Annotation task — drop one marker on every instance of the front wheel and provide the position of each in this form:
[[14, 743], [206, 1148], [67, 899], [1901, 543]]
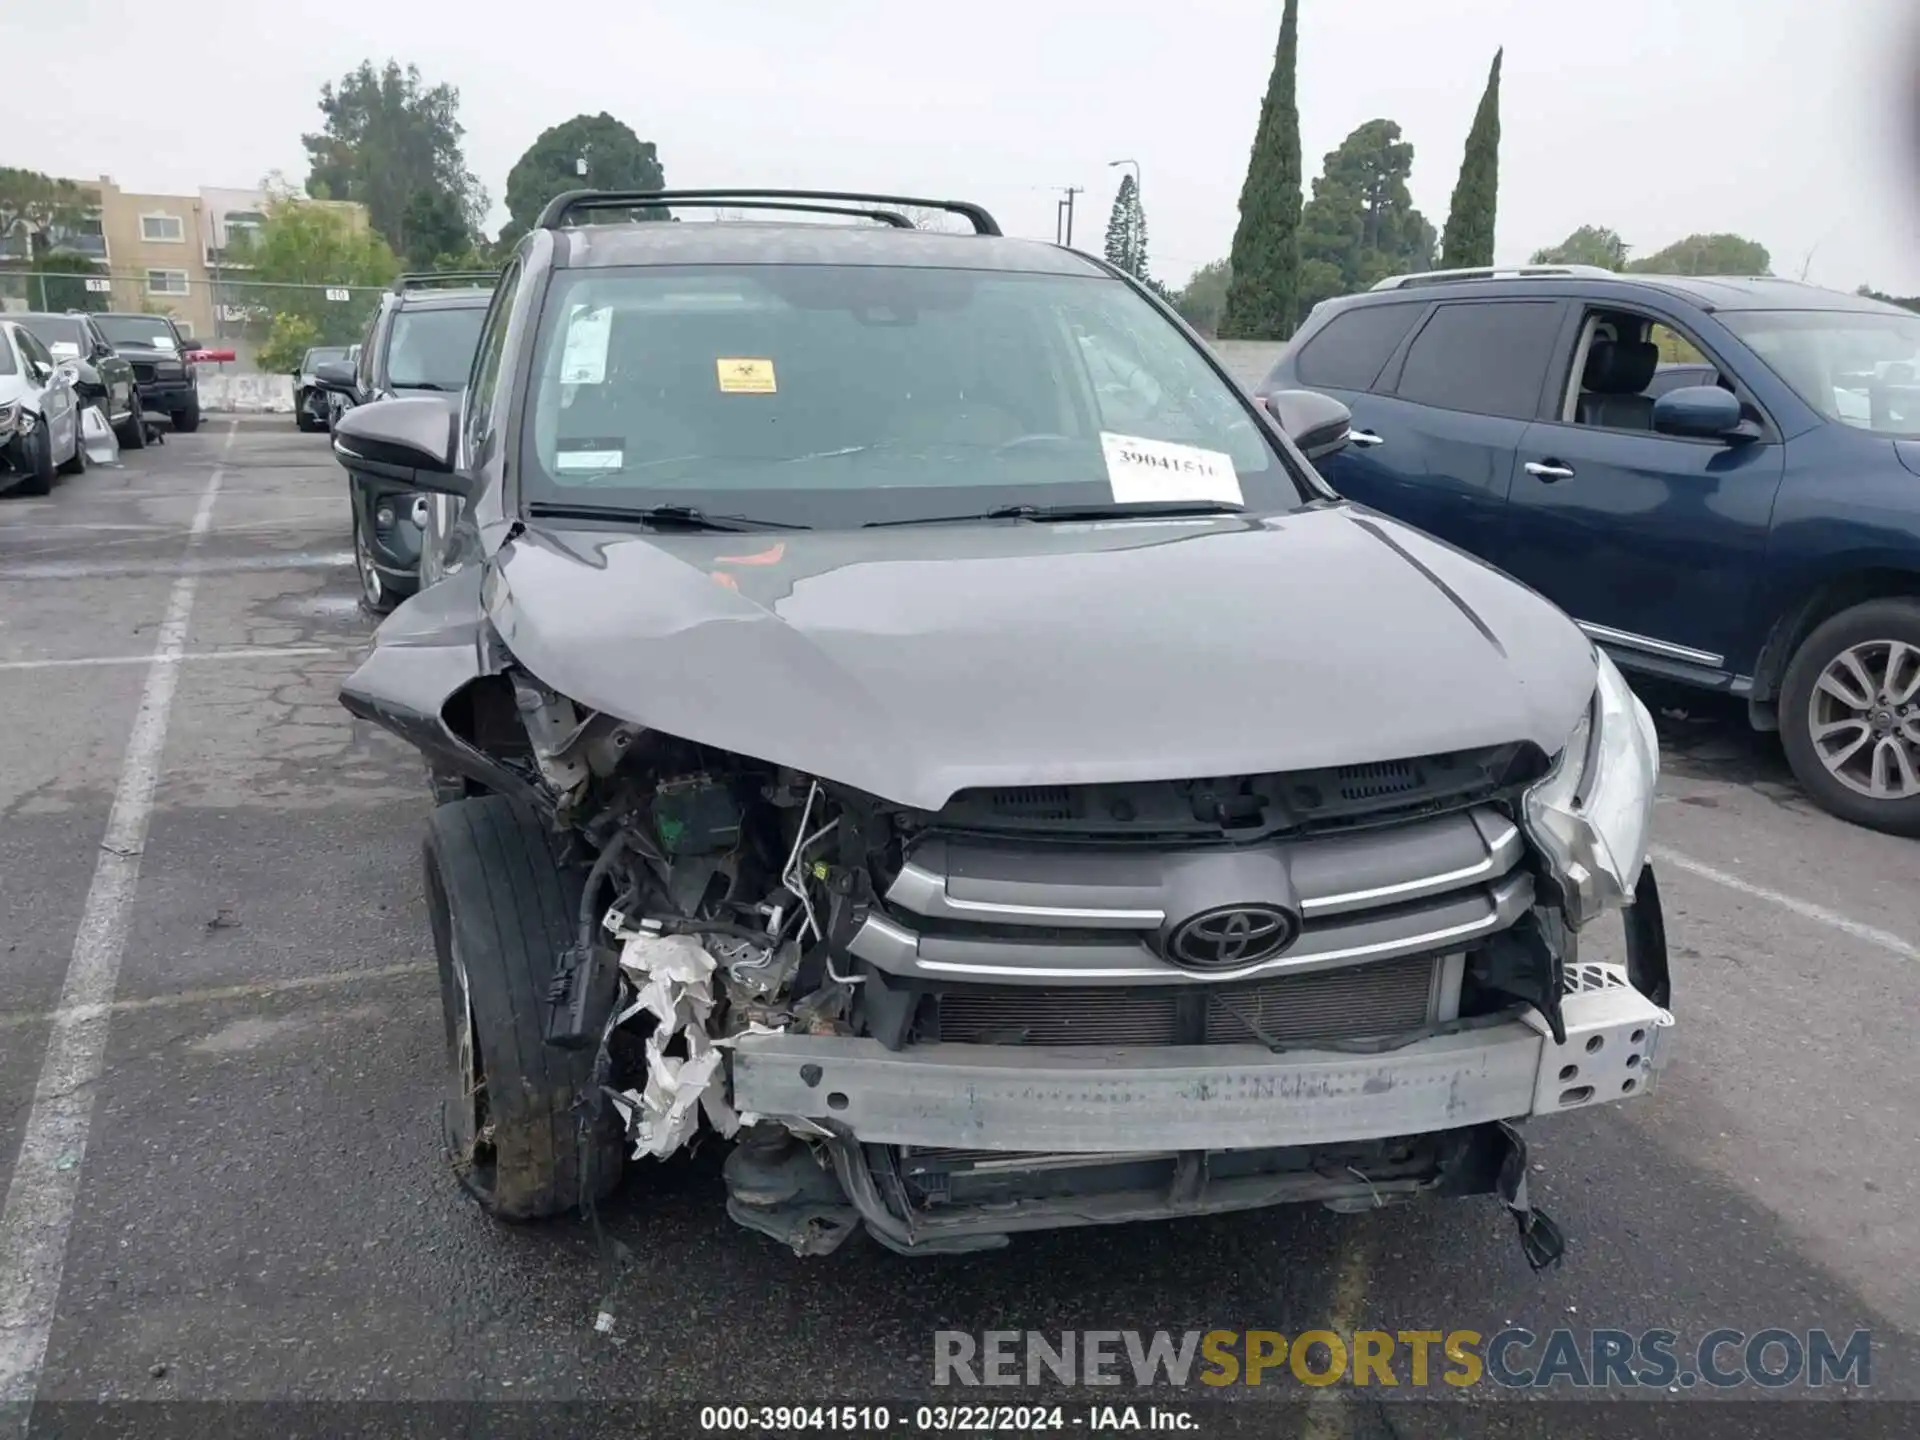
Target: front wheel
[[502, 908], [302, 418], [1850, 715], [41, 471], [76, 463], [375, 598], [132, 433], [188, 420]]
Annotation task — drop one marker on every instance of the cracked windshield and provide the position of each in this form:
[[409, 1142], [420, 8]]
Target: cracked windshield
[[775, 719]]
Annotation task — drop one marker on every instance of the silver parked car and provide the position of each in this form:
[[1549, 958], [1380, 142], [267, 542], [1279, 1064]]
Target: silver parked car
[[39, 413]]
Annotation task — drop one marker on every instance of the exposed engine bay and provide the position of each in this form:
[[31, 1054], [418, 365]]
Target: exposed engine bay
[[728, 907]]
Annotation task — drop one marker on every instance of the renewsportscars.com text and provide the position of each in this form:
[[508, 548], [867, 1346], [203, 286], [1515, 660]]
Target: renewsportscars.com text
[[1513, 1358]]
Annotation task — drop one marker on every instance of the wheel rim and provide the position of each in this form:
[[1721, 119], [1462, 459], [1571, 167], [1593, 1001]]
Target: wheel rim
[[1864, 719], [370, 583]]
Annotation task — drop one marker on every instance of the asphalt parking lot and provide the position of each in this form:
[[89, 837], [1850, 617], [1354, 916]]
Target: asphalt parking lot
[[220, 1056]]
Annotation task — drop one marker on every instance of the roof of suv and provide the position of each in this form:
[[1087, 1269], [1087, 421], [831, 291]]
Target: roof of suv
[[748, 242], [1709, 292]]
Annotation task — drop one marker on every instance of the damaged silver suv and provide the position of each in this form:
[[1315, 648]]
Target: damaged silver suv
[[898, 707]]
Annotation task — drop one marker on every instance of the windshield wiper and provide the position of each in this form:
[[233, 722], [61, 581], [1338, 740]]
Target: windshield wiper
[[418, 385], [1110, 510], [682, 515]]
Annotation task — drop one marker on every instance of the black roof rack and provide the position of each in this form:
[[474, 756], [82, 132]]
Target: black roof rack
[[829, 202], [427, 279]]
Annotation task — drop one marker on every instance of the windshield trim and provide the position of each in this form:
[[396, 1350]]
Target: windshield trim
[[537, 310]]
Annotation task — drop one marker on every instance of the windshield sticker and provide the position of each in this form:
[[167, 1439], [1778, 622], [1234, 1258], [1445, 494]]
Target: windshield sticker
[[585, 359], [574, 456], [1141, 469], [162, 342], [63, 349], [746, 377]]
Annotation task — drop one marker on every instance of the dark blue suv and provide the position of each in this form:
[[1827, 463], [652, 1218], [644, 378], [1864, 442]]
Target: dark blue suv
[[1719, 479]]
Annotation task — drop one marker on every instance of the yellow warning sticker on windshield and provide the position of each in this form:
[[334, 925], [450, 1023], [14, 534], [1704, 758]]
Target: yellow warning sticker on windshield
[[746, 377]]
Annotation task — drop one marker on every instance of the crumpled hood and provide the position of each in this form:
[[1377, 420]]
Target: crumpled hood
[[915, 662]]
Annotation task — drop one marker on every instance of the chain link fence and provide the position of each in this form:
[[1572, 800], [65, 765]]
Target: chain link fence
[[225, 307]]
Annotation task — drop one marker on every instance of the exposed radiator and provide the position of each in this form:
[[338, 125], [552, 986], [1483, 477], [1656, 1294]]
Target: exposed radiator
[[1347, 1003]]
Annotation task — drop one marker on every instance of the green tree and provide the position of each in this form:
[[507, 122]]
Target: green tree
[[36, 206], [289, 337], [62, 279], [388, 141], [1127, 230], [1707, 255], [302, 252], [1909, 302], [1470, 218], [614, 158], [1589, 245], [1361, 225], [436, 231], [1203, 299], [1266, 243]]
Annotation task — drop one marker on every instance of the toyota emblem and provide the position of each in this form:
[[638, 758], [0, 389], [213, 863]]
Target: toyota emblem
[[1231, 936]]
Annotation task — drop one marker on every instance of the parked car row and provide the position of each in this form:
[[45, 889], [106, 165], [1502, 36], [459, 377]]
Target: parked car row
[[1747, 521], [420, 340], [136, 371]]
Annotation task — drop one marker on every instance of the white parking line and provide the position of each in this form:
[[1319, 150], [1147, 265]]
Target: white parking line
[[46, 1177], [260, 652], [1885, 939]]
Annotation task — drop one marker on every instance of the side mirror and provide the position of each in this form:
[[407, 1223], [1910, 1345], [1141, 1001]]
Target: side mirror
[[409, 440], [1698, 412], [1317, 423], [335, 377]]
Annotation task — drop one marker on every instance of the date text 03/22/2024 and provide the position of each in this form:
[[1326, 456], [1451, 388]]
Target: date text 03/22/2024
[[938, 1419]]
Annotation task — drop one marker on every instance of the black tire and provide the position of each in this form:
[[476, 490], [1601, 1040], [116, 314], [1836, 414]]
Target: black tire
[[132, 433], [501, 902], [1870, 624], [301, 419], [77, 463], [40, 470], [375, 597], [188, 420]]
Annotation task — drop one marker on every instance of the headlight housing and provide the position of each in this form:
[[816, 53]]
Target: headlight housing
[[9, 418], [1590, 816]]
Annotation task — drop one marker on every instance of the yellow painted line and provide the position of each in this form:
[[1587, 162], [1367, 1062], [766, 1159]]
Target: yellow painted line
[[1329, 1410]]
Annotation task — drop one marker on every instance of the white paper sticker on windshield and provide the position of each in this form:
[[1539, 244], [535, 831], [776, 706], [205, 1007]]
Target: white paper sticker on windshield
[[1141, 469], [575, 456], [585, 359], [163, 342], [63, 349]]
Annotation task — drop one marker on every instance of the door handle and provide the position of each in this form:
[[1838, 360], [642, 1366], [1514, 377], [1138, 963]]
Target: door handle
[[1548, 471], [1365, 438]]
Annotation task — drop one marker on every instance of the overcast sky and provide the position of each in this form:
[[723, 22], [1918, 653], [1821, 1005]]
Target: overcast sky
[[1782, 120]]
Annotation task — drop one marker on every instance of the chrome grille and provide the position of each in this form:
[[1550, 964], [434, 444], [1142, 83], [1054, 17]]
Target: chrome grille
[[1005, 911], [1361, 1000]]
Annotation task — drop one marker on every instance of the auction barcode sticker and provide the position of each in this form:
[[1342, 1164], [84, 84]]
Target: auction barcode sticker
[[1142, 469]]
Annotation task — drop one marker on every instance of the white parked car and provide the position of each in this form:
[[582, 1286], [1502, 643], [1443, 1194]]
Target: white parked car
[[39, 414]]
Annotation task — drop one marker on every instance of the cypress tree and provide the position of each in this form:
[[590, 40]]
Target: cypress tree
[[1469, 235], [1265, 261]]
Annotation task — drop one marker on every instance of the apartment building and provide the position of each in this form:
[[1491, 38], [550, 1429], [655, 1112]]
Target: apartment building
[[170, 253]]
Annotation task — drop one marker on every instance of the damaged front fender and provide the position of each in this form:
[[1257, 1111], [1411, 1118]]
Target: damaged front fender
[[424, 655]]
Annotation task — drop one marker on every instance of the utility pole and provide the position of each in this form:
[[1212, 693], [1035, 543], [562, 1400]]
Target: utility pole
[[1067, 205]]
